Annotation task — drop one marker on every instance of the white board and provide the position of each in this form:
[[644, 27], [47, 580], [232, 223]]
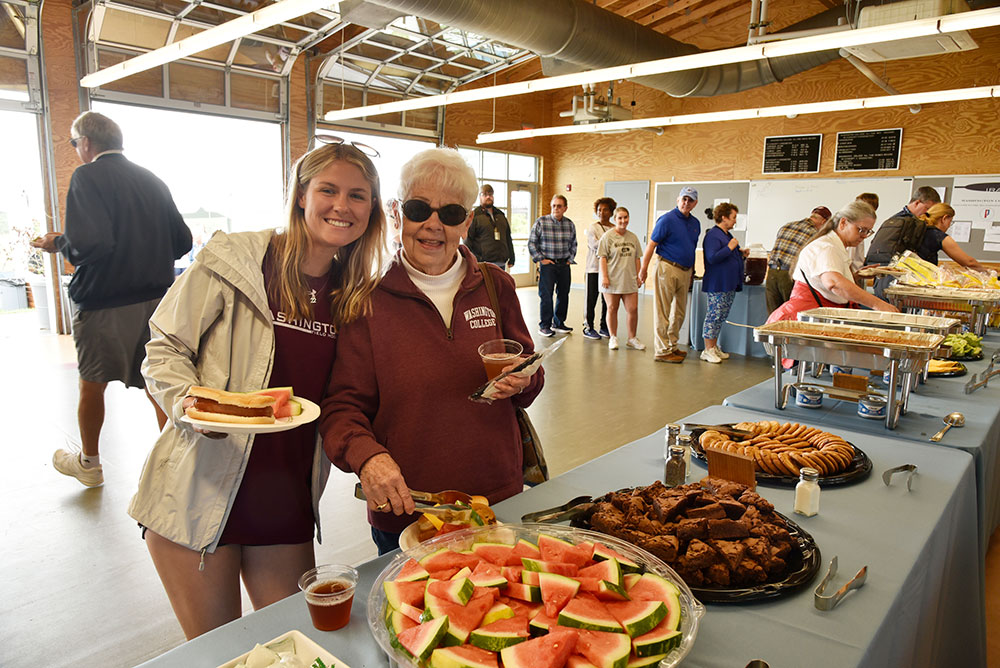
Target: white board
[[776, 202]]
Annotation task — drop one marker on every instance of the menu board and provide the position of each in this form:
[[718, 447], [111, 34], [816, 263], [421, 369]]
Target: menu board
[[792, 154], [868, 150]]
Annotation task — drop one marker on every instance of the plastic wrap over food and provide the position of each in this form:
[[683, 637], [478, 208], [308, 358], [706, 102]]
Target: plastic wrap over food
[[527, 367], [917, 271]]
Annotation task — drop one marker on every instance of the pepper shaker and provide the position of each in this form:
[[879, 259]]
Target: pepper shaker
[[684, 441], [674, 471]]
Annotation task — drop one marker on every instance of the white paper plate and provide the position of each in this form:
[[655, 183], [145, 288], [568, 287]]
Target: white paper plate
[[310, 412], [305, 649]]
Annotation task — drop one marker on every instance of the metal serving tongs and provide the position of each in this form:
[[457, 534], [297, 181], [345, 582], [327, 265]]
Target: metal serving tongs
[[911, 469], [829, 602], [982, 379], [448, 512], [566, 511]]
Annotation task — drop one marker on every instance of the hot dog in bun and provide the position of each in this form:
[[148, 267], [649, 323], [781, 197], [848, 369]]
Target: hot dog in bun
[[221, 406]]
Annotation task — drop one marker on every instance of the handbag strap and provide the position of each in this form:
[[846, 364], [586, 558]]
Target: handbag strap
[[491, 290]]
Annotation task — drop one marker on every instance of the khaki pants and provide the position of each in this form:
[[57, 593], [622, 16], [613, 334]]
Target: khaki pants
[[671, 294], [777, 288]]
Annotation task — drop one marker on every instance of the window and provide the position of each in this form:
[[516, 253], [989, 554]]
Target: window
[[235, 186], [514, 178]]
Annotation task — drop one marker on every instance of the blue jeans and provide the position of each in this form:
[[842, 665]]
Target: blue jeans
[[553, 276], [385, 541]]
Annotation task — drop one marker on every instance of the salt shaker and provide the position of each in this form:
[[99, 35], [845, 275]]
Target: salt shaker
[[685, 442], [672, 432], [807, 492], [674, 470]]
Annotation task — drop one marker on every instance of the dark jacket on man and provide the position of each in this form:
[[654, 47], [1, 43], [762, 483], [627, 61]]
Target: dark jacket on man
[[123, 233], [489, 237]]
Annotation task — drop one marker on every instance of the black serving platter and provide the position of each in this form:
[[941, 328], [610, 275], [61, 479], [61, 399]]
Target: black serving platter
[[859, 468], [961, 371], [803, 565], [964, 358]]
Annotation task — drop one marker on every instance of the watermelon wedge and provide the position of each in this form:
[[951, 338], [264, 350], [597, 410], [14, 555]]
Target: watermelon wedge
[[541, 623], [447, 559], [464, 656], [542, 566], [486, 574], [421, 640], [653, 587], [604, 650], [411, 572], [523, 548], [523, 592], [605, 552], [512, 573], [589, 613], [282, 395], [397, 593], [495, 553], [638, 617], [526, 608], [557, 590], [577, 661], [453, 591], [607, 569], [464, 619], [504, 633], [497, 612], [660, 640], [559, 550], [645, 661], [548, 651]]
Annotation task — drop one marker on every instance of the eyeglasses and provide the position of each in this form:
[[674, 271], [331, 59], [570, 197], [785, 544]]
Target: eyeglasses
[[863, 231], [450, 214], [370, 151], [73, 141]]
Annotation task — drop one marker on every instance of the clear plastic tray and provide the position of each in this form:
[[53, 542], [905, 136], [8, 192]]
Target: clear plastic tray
[[691, 609]]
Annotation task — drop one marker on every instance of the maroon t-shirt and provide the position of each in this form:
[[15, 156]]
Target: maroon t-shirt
[[274, 503]]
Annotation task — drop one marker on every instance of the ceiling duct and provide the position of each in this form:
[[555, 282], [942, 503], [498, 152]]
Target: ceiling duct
[[572, 35]]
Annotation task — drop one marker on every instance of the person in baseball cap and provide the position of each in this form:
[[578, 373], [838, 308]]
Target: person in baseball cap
[[791, 238], [674, 239]]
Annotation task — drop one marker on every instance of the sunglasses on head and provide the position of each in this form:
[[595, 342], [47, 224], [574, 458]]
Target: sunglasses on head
[[370, 151], [450, 214]]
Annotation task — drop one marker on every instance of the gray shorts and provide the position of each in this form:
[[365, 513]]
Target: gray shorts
[[111, 342]]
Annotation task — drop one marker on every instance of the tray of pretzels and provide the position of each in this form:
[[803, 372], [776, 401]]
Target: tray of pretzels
[[781, 450]]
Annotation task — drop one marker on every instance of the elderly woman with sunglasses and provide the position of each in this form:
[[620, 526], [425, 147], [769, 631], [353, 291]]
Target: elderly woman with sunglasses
[[397, 411], [822, 272], [255, 310]]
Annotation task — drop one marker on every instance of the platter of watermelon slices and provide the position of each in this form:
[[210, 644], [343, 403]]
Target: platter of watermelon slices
[[532, 596]]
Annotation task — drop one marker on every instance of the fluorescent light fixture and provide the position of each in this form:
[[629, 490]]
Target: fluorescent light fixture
[[906, 100], [220, 34], [980, 18]]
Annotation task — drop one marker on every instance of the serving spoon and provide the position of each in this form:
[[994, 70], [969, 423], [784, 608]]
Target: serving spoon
[[950, 420]]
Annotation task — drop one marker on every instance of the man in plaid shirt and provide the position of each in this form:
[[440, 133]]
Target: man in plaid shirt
[[791, 238], [552, 245]]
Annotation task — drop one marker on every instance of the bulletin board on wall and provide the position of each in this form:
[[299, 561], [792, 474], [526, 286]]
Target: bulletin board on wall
[[976, 201], [775, 202], [709, 193]]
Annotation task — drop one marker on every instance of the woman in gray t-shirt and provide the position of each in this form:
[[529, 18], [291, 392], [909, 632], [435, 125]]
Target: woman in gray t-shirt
[[618, 253]]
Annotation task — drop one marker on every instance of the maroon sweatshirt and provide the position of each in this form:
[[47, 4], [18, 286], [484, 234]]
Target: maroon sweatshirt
[[401, 382]]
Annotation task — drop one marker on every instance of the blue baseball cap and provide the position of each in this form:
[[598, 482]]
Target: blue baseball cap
[[688, 191]]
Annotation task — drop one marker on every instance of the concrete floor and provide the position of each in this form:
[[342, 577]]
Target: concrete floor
[[78, 587]]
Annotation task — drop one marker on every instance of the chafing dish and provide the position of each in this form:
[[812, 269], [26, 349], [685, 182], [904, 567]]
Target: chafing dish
[[907, 322], [901, 353], [973, 305]]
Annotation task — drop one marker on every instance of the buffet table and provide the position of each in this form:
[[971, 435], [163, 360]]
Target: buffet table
[[749, 308], [922, 605], [980, 436]]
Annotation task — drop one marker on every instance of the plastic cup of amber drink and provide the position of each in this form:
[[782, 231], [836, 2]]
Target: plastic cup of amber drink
[[499, 354], [329, 591]]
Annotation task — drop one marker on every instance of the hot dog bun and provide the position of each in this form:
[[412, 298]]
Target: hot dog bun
[[231, 407]]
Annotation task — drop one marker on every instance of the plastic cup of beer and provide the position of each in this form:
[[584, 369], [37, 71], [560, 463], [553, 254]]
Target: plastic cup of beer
[[499, 354], [329, 591]]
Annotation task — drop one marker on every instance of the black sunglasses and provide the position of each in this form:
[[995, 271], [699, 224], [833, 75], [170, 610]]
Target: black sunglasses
[[370, 151], [450, 214]]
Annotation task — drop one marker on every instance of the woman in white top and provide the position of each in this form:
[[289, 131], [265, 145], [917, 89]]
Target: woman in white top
[[822, 272], [619, 253], [604, 208]]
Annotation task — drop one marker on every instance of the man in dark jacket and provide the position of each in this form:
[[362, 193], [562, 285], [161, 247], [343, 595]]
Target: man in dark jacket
[[489, 234], [123, 233]]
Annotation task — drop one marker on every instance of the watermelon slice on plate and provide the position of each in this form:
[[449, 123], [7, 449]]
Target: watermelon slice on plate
[[585, 612], [557, 549], [463, 656], [557, 590], [522, 549], [421, 640], [604, 650], [548, 651], [498, 635]]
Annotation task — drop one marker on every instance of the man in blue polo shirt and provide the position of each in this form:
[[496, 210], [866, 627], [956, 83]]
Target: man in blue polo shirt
[[674, 239]]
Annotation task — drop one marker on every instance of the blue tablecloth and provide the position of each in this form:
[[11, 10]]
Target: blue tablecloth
[[927, 406], [921, 606], [749, 308]]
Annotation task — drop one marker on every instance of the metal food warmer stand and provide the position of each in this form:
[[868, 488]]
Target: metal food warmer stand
[[903, 354], [906, 322], [975, 304]]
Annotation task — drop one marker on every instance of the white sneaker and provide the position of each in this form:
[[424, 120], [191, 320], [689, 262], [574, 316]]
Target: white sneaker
[[68, 463], [635, 344], [613, 343], [708, 355], [721, 353]]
